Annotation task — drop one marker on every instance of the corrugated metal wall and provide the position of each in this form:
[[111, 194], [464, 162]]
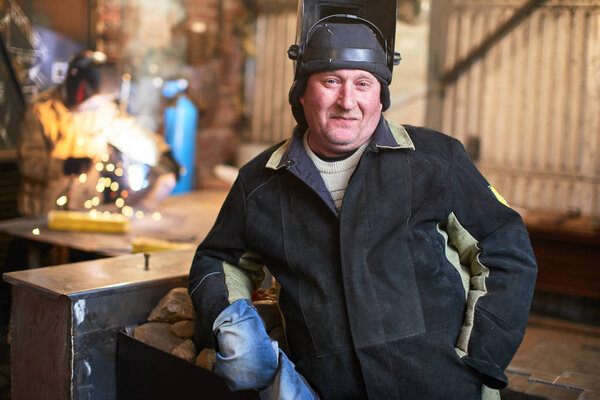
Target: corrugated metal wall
[[533, 100], [532, 103], [270, 74]]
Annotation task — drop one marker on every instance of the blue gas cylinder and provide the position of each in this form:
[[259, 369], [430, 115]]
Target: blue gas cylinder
[[180, 132]]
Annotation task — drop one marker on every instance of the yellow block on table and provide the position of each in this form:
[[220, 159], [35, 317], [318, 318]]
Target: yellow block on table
[[89, 221], [144, 244]]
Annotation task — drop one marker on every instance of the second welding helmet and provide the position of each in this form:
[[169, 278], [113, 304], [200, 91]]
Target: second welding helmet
[[334, 35], [88, 74]]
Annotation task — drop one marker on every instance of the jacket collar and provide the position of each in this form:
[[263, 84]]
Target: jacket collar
[[387, 135]]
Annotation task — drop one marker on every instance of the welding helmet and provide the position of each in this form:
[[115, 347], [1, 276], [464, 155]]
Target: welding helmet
[[344, 34], [89, 74]]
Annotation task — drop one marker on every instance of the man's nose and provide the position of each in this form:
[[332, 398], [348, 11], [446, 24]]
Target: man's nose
[[347, 97]]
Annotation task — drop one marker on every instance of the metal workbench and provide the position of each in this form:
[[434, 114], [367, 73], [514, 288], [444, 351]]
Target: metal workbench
[[183, 218], [65, 320]]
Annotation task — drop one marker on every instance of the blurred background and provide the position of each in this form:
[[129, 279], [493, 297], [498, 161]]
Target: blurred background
[[517, 81]]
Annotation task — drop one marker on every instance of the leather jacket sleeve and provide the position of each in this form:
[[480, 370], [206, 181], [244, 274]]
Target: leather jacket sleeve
[[223, 270], [494, 245], [35, 147]]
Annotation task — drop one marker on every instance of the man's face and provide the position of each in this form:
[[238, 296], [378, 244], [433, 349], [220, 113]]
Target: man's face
[[342, 109], [94, 102]]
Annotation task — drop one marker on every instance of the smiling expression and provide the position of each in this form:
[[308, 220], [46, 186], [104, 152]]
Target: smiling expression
[[342, 109]]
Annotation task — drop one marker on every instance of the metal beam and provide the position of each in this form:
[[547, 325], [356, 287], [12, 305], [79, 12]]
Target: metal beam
[[489, 42]]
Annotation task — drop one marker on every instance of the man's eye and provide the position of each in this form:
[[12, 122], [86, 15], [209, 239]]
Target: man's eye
[[330, 81]]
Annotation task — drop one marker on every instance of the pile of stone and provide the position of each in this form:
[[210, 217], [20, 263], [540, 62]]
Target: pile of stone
[[170, 327]]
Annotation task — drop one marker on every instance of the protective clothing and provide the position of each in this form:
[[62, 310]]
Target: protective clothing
[[345, 45], [418, 288], [77, 165], [88, 74], [288, 384], [378, 15], [247, 358]]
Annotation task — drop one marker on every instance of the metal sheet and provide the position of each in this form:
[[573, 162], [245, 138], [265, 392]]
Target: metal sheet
[[65, 320], [532, 100], [96, 323], [94, 278], [183, 218]]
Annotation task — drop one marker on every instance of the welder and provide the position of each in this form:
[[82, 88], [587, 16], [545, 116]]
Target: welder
[[70, 134], [403, 273]]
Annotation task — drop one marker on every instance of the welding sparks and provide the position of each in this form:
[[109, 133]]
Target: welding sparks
[[127, 211], [157, 82], [135, 177], [61, 201]]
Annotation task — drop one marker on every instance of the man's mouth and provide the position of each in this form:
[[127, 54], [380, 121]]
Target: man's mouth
[[344, 118]]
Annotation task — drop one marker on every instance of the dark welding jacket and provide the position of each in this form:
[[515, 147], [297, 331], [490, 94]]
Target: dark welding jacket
[[418, 288]]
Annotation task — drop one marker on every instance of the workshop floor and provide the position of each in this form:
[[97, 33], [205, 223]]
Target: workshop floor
[[557, 360]]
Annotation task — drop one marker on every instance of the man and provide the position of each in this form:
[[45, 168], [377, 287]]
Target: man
[[68, 129], [403, 276]]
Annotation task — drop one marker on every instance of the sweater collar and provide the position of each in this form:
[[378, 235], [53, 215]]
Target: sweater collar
[[387, 135]]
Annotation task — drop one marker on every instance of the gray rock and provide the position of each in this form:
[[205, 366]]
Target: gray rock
[[175, 306], [206, 359], [159, 335], [184, 329], [186, 350]]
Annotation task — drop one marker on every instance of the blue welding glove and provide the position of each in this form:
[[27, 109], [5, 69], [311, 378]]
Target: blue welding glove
[[288, 384], [246, 357]]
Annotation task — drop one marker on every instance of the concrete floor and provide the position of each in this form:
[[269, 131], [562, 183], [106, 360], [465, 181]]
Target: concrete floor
[[557, 360]]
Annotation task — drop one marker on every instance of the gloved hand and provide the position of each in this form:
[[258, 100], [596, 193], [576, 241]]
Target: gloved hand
[[288, 384], [167, 164], [76, 165], [246, 357]]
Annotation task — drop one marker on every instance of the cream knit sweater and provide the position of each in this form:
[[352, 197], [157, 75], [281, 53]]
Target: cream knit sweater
[[336, 174]]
